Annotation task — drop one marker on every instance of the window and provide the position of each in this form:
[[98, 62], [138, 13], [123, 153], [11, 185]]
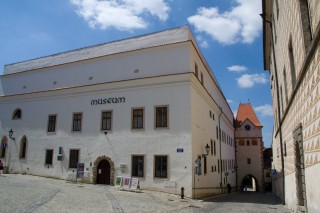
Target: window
[[210, 114], [248, 161], [213, 116], [248, 143], [306, 25], [3, 147], [254, 142], [211, 147], [49, 156], [52, 123], [285, 149], [217, 131], [201, 78], [23, 147], [16, 114], [292, 65], [205, 164], [106, 118], [161, 116], [214, 147], [241, 143], [196, 69], [74, 158], [76, 124], [285, 84], [160, 167], [218, 166], [137, 166], [137, 118]]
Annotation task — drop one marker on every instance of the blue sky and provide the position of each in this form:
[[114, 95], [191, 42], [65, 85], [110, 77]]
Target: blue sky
[[229, 33]]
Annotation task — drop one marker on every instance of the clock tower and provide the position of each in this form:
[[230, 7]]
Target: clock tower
[[249, 149]]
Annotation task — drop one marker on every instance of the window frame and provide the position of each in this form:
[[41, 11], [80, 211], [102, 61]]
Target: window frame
[[78, 153], [111, 120], [155, 167], [73, 121], [15, 116], [23, 148], [167, 117], [132, 165], [46, 157], [49, 122], [133, 118]]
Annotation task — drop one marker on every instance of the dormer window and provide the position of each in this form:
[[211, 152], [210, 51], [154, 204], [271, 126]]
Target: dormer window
[[16, 114]]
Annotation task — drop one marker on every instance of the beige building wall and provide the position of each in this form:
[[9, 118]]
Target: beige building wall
[[295, 28]]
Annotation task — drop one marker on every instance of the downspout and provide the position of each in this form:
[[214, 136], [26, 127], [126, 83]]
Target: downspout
[[278, 106], [219, 133]]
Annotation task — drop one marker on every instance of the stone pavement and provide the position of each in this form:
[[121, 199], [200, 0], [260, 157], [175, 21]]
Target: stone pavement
[[26, 193]]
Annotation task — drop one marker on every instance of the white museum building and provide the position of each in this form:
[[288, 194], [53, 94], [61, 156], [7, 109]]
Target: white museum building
[[146, 107]]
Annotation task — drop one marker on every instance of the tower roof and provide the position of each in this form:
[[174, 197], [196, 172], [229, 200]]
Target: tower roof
[[245, 111]]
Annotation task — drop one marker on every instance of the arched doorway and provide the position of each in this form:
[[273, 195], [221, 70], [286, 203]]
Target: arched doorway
[[103, 171], [249, 184]]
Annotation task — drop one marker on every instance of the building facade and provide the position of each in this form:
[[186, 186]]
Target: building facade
[[249, 149], [292, 55], [144, 107]]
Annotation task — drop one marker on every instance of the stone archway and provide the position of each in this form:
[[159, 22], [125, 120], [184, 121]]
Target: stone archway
[[249, 183], [95, 169]]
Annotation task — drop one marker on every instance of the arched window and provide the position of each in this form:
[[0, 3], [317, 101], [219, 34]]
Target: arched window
[[3, 147], [16, 114], [23, 147]]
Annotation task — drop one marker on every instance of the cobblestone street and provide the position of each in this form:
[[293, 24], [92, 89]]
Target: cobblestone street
[[24, 193]]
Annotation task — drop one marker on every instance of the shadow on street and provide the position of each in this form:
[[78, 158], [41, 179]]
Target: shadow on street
[[247, 197]]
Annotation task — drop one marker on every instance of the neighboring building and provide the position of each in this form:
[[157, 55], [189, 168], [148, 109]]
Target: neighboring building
[[249, 149], [267, 162], [292, 55], [142, 107]]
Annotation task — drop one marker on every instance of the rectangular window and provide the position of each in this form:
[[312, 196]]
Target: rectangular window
[[217, 131], [52, 123], [106, 118], [76, 123], [248, 161], [241, 143], [49, 156], [211, 147], [210, 114], [201, 78], [214, 147], [218, 166], [137, 166], [285, 149], [248, 143], [73, 158], [137, 118], [196, 69], [205, 164], [160, 166], [161, 116]]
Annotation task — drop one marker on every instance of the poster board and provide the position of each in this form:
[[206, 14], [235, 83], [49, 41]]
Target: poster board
[[119, 180], [127, 183], [80, 170], [135, 183]]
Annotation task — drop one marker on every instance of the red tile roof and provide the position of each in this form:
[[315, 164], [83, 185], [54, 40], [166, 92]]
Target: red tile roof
[[245, 111]]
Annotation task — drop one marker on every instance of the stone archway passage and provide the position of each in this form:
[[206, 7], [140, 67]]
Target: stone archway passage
[[103, 171], [249, 183]]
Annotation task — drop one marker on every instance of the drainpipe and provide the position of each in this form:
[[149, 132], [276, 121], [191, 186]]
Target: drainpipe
[[278, 105], [219, 133]]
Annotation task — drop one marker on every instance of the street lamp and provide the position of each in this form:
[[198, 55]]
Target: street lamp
[[207, 148], [10, 133]]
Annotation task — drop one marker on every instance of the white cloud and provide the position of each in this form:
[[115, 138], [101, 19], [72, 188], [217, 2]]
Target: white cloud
[[203, 43], [230, 101], [264, 110], [248, 81], [241, 24], [237, 68], [120, 14]]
